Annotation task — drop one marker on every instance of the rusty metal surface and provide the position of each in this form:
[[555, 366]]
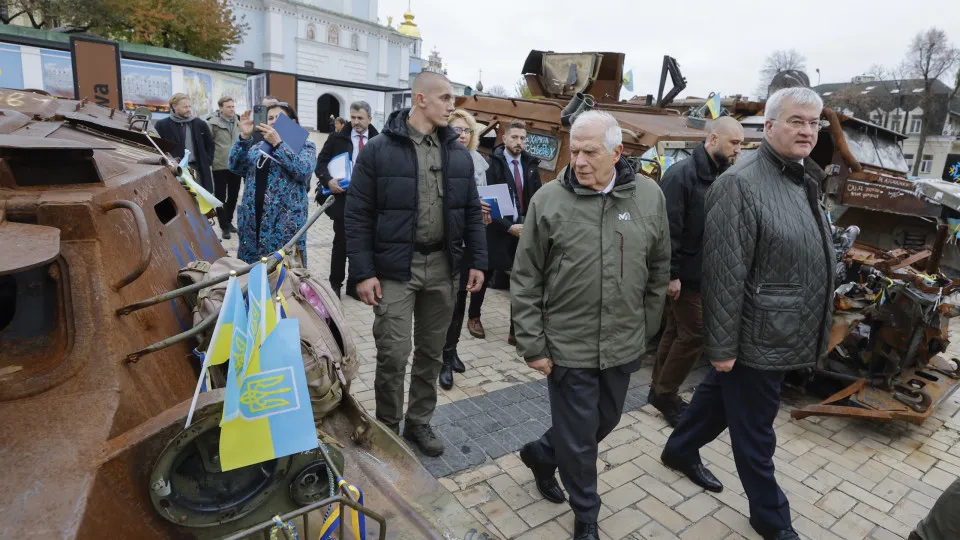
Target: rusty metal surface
[[25, 246], [65, 391], [886, 193]]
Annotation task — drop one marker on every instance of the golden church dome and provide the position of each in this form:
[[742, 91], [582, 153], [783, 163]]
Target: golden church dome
[[408, 27]]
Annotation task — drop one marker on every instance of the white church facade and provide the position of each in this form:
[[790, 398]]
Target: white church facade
[[336, 40]]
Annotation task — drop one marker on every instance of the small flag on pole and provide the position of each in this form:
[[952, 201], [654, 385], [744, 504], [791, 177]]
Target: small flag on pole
[[713, 105], [628, 81]]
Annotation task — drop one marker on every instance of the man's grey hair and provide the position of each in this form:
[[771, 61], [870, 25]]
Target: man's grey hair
[[798, 95], [361, 106], [612, 137]]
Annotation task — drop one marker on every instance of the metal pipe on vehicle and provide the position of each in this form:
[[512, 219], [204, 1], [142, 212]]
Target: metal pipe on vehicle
[[126, 310]]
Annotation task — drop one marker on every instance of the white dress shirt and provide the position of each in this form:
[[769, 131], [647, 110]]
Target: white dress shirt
[[609, 187], [355, 137]]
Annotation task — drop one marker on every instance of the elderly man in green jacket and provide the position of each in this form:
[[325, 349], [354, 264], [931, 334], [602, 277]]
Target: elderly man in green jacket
[[589, 283]]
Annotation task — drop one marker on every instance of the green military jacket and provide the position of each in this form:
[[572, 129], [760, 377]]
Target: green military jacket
[[224, 135], [590, 275]]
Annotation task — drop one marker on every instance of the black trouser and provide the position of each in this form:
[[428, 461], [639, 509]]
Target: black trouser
[[746, 400], [585, 406], [226, 187], [338, 256], [476, 299]]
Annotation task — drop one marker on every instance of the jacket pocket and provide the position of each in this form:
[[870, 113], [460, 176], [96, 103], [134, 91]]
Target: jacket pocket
[[554, 276], [776, 315]]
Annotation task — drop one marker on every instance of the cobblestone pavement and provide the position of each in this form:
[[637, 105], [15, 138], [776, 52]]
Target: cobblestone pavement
[[845, 479]]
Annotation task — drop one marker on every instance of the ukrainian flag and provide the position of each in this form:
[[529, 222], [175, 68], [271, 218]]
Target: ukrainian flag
[[219, 349], [267, 412], [713, 105]]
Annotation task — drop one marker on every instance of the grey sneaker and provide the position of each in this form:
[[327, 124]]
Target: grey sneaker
[[423, 436]]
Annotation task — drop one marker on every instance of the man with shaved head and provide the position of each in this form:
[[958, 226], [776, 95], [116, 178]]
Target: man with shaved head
[[412, 215], [685, 187]]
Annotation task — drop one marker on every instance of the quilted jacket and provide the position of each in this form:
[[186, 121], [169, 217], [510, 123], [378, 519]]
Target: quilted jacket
[[767, 284], [590, 277]]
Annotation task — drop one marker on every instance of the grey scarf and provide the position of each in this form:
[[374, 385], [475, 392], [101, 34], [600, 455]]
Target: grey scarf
[[188, 135]]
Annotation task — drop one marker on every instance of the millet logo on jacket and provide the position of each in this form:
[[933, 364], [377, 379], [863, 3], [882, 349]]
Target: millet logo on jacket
[[624, 216]]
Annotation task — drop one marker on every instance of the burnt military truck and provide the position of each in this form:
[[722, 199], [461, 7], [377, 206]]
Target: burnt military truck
[[97, 362]]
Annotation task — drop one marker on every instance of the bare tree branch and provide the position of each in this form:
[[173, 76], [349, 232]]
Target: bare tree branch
[[775, 63]]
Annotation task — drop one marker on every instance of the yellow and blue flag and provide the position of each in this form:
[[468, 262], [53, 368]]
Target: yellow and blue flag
[[274, 418], [219, 349], [713, 105], [266, 406], [628, 81]]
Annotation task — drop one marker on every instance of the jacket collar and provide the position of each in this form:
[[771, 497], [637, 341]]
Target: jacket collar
[[396, 126], [791, 169], [346, 132], [625, 179], [707, 170], [220, 121]]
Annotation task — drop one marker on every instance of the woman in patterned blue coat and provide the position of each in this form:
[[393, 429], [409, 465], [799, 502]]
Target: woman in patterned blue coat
[[275, 201]]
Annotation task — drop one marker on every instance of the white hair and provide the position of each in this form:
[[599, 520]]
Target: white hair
[[798, 95], [612, 137]]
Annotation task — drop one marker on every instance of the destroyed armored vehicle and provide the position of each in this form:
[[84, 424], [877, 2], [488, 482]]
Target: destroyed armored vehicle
[[98, 363]]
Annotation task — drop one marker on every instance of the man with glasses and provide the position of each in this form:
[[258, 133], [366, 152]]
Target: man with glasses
[[351, 139], [767, 296], [510, 164]]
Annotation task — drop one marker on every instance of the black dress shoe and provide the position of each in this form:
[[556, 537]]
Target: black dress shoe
[[585, 531], [456, 363], [232, 228], [785, 534], [672, 407], [225, 233], [546, 481], [696, 472]]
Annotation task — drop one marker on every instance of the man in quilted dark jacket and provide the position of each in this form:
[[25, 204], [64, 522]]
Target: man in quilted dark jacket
[[767, 296]]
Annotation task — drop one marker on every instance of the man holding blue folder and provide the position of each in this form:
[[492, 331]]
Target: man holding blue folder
[[349, 140]]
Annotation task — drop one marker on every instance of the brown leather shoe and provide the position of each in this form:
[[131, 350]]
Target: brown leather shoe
[[475, 327]]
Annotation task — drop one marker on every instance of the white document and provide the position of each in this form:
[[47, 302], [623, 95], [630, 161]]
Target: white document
[[339, 166], [501, 193]]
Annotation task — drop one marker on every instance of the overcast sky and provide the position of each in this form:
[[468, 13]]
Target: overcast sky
[[720, 46]]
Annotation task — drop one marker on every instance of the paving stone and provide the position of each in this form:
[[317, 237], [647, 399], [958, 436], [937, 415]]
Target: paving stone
[[879, 533], [939, 478], [623, 496], [475, 495], [874, 470], [890, 490], [476, 476], [737, 522], [865, 496], [886, 522], [698, 506], [629, 451], [653, 531], [490, 446], [655, 468], [733, 500], [550, 531], [916, 484], [621, 474], [809, 529], [811, 512], [506, 520], [822, 481], [663, 492], [623, 522], [853, 526], [541, 511], [707, 528], [510, 491], [908, 512], [673, 521], [837, 503]]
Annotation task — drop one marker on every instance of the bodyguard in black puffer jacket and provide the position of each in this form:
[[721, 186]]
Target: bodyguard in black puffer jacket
[[381, 212], [413, 213]]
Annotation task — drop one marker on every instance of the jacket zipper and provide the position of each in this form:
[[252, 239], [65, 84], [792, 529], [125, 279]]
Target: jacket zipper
[[621, 257]]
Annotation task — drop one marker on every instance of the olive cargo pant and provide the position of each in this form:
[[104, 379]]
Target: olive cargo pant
[[428, 298], [681, 343]]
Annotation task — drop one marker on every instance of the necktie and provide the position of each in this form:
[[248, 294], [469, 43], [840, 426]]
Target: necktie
[[519, 183], [361, 144]]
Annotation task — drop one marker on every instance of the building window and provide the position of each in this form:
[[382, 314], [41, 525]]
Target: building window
[[333, 36], [926, 164], [915, 124], [909, 160], [311, 32], [895, 123], [355, 42]]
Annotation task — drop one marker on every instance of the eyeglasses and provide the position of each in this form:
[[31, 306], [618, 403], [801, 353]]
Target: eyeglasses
[[462, 130], [797, 124]]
